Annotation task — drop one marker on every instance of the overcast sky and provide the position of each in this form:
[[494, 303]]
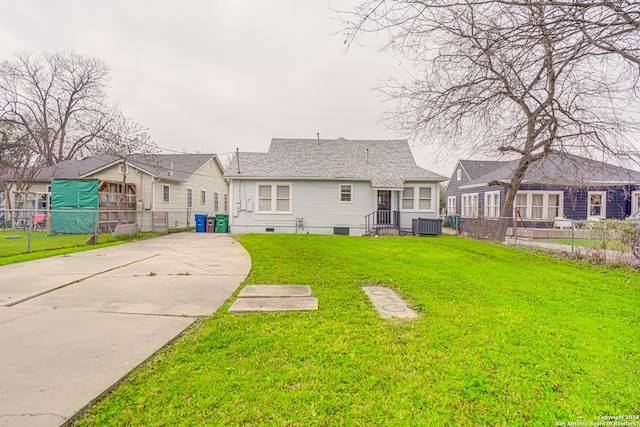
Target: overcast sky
[[213, 75]]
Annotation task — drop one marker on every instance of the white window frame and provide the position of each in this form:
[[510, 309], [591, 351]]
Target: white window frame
[[492, 204], [528, 211], [603, 204], [216, 205], [470, 205], [274, 198], [459, 175], [203, 197], [415, 205], [349, 193], [189, 198], [635, 201], [412, 199], [122, 169], [168, 198], [452, 204]]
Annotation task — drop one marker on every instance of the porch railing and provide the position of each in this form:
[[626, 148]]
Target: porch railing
[[381, 219]]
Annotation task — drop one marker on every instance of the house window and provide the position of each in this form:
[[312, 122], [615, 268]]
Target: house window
[[203, 197], [635, 201], [539, 204], [521, 204], [553, 206], [189, 198], [458, 174], [124, 170], [165, 193], [346, 193], [226, 203], [274, 198], [470, 205], [215, 202], [424, 200], [597, 204], [417, 198], [492, 204], [451, 205], [407, 198]]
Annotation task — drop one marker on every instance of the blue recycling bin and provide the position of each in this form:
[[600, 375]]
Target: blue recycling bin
[[201, 223]]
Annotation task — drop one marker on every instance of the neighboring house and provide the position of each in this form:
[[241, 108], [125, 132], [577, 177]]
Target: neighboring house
[[320, 186], [155, 182], [572, 187]]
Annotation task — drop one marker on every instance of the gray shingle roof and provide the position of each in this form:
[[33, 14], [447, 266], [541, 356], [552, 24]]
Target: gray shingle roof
[[477, 168], [184, 165], [386, 163], [561, 170]]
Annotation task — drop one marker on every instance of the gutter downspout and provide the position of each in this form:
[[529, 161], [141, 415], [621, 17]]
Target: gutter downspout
[[153, 192]]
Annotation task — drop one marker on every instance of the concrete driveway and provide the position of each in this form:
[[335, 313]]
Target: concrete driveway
[[72, 326]]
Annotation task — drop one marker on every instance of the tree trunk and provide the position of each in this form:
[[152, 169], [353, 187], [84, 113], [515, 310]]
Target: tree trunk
[[511, 190]]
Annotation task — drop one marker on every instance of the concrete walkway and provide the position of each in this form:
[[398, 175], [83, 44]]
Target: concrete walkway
[[72, 326]]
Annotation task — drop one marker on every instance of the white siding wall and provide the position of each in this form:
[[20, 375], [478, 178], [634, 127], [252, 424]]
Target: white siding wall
[[208, 178], [406, 217], [316, 202]]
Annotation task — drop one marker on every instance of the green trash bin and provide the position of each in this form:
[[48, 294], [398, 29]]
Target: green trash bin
[[453, 222], [222, 223]]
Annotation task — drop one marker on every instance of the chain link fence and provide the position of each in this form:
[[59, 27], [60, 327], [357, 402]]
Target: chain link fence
[[20, 227], [598, 241]]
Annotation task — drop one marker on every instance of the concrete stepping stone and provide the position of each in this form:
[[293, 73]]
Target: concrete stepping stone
[[248, 305], [259, 298], [388, 303], [252, 291]]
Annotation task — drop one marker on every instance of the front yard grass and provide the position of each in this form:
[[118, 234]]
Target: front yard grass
[[504, 338]]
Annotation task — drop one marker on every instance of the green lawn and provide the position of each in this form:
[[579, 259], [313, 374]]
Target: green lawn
[[13, 244], [504, 338]]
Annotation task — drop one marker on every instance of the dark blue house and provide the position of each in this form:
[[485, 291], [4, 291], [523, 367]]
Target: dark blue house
[[555, 187]]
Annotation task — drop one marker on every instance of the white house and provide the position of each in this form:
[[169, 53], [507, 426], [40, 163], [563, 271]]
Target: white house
[[321, 186], [178, 184]]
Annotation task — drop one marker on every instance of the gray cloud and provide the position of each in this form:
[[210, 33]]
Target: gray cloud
[[216, 75]]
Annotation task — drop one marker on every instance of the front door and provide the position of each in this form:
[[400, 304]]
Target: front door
[[384, 207]]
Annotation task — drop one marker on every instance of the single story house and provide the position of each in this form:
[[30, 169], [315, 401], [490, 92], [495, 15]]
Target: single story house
[[326, 186], [183, 184], [568, 186]]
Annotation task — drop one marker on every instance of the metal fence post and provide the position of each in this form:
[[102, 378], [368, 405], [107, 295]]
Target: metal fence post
[[515, 227], [29, 235], [95, 229], [572, 237]]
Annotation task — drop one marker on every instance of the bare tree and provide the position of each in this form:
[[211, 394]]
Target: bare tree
[[520, 79], [18, 163], [56, 101]]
